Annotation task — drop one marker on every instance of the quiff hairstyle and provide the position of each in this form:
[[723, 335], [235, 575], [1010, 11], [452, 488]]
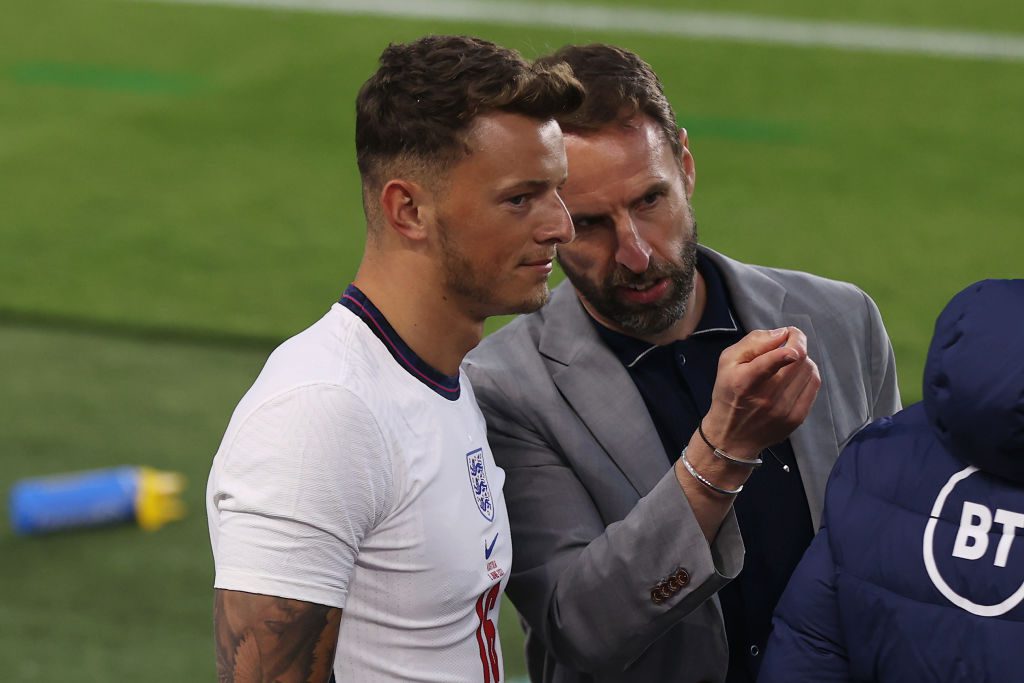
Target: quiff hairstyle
[[414, 114], [619, 85]]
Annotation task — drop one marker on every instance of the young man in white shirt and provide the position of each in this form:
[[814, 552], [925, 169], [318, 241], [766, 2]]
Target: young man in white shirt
[[356, 513]]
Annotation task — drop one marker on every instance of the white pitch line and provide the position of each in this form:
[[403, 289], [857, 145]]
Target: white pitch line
[[706, 25]]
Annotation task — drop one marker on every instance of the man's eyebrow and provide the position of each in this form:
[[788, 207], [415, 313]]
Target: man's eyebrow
[[526, 186], [655, 186], [529, 185]]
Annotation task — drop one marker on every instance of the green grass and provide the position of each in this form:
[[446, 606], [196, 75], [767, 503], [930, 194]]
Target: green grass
[[1000, 16], [114, 604], [177, 172]]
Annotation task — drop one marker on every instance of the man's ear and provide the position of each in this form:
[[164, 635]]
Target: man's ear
[[689, 169], [405, 205]]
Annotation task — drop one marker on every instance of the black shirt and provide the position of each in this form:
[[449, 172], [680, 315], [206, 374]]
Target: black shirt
[[675, 382]]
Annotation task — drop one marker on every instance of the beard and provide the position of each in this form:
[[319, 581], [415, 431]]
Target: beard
[[642, 320], [477, 287]]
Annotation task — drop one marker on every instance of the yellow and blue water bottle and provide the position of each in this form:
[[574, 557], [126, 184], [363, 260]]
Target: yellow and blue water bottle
[[146, 496]]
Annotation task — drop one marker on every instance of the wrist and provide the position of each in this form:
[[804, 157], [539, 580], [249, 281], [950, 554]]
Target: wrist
[[716, 489], [725, 455], [719, 434], [722, 472]]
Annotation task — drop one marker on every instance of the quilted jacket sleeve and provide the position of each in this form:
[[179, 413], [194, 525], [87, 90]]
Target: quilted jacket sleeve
[[806, 643]]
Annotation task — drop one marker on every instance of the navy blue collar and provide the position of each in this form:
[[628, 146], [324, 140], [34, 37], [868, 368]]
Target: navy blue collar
[[718, 315], [446, 386], [717, 318]]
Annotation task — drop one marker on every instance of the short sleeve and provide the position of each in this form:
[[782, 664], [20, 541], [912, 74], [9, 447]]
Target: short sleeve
[[301, 483]]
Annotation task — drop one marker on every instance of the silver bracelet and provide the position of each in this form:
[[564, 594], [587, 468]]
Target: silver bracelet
[[704, 480], [719, 453]]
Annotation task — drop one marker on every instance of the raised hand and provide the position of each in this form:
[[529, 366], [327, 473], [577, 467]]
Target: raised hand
[[764, 390]]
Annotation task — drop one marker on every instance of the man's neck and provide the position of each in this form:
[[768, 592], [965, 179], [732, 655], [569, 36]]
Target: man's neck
[[428, 321]]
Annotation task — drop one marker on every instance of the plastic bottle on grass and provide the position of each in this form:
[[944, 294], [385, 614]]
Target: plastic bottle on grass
[[148, 497]]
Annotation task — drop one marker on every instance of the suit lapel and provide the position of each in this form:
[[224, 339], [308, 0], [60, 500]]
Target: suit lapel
[[759, 302], [601, 392]]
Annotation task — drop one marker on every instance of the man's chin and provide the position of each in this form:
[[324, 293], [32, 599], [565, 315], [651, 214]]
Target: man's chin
[[644, 319], [528, 303], [626, 306], [535, 302]]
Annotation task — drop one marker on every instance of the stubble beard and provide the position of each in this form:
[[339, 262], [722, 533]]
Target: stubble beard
[[464, 279], [643, 320]]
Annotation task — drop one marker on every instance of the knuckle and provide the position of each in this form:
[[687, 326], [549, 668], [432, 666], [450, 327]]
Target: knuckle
[[815, 373]]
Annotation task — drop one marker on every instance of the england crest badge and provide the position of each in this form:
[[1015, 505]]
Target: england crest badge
[[478, 482]]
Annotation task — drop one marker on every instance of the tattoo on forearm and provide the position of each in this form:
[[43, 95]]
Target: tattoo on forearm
[[265, 639]]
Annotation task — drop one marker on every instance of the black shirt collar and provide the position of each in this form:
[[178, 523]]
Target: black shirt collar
[[443, 385]]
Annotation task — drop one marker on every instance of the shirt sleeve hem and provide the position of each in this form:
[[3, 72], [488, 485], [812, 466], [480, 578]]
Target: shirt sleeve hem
[[281, 588]]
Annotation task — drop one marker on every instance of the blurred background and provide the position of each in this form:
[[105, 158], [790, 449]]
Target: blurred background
[[178, 194]]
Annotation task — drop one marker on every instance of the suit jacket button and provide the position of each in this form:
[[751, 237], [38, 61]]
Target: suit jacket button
[[656, 596], [682, 576]]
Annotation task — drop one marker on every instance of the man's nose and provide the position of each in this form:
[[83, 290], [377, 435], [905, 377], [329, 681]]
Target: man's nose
[[557, 225], [632, 251]]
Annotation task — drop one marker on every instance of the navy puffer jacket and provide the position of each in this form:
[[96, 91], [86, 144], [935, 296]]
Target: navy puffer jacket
[[917, 574]]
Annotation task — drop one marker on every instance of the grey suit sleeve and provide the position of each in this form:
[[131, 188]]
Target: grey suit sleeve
[[885, 400], [583, 588]]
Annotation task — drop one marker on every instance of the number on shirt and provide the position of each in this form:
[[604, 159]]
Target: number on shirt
[[486, 634]]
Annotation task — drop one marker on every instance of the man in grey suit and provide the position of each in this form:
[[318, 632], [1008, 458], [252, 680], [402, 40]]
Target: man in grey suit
[[660, 380]]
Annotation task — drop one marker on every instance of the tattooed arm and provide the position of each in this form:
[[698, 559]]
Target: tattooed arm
[[266, 639]]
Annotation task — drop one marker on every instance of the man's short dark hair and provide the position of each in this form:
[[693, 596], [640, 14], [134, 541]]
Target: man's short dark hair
[[619, 85], [419, 105]]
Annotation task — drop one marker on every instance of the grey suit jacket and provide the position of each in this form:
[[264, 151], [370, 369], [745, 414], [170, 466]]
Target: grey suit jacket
[[598, 517]]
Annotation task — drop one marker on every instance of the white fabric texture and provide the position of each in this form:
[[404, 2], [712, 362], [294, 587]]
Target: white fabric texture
[[286, 501], [343, 480]]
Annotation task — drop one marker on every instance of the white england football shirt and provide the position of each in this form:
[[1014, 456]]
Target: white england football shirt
[[354, 475]]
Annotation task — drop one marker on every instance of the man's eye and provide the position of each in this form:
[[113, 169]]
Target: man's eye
[[650, 199], [518, 200], [583, 222]]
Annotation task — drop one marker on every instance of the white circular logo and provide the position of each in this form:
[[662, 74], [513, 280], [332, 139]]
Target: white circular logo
[[933, 571]]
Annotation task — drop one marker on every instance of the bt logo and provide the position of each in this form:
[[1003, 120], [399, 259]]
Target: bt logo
[[972, 543], [975, 523]]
